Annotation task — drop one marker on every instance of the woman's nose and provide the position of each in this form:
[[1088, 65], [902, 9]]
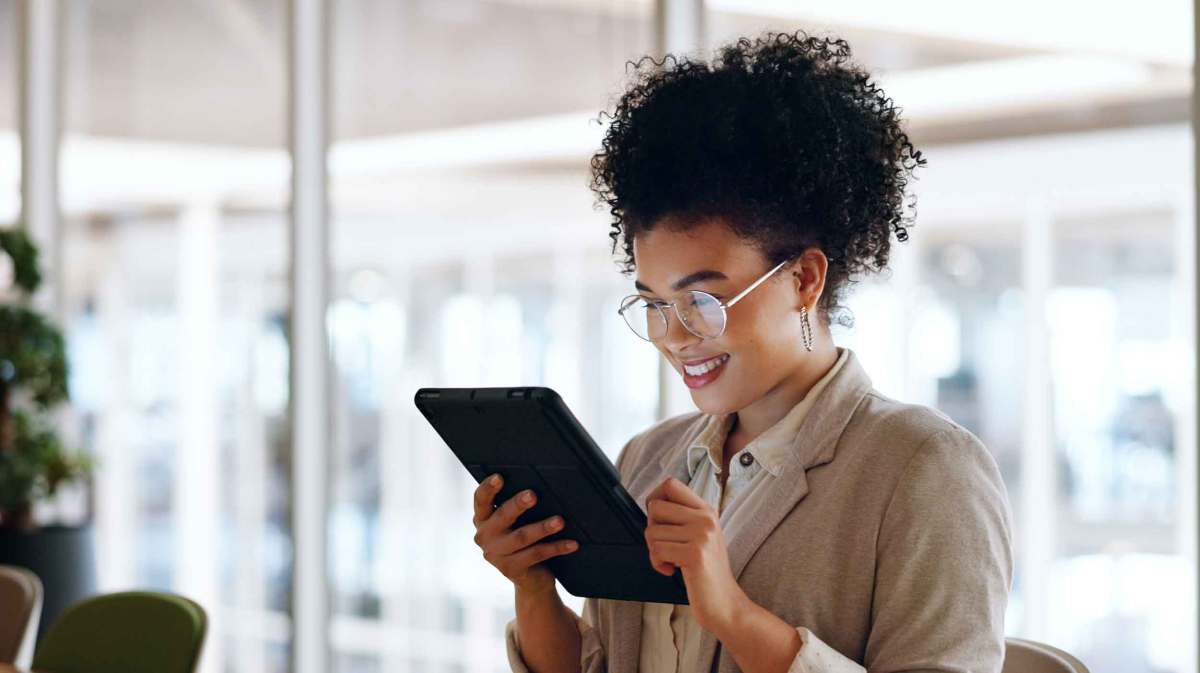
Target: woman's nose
[[677, 336]]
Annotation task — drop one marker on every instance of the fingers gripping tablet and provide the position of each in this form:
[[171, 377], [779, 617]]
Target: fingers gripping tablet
[[533, 441]]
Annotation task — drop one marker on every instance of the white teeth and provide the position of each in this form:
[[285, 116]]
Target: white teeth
[[707, 366]]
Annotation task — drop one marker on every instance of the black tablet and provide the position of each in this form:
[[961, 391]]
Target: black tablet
[[532, 439]]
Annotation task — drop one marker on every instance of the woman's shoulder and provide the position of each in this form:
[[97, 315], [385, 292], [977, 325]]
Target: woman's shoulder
[[921, 442], [908, 423], [925, 471]]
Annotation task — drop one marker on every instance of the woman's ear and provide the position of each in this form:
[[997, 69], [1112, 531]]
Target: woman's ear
[[808, 276]]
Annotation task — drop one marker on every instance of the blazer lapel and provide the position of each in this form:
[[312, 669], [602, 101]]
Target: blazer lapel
[[815, 444]]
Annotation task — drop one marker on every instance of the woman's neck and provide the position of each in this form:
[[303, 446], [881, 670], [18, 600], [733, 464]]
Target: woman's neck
[[766, 411]]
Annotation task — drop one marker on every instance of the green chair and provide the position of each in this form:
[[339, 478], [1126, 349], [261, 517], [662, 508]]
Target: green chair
[[128, 632]]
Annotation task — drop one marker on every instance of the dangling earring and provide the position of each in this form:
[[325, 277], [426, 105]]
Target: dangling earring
[[805, 328]]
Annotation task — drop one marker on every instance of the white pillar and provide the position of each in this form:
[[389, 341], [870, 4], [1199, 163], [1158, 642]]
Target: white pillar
[[905, 263], [198, 458], [397, 456], [39, 114], [568, 315], [1035, 534], [1191, 446], [678, 29], [116, 471], [1183, 332], [251, 476], [308, 58]]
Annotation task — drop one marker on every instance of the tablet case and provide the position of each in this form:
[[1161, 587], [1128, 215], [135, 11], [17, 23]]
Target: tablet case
[[532, 439]]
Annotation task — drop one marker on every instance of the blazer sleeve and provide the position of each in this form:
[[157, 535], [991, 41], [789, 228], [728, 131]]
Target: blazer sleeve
[[591, 654], [944, 563]]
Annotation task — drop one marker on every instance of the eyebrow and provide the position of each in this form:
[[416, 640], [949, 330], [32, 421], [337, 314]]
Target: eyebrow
[[691, 278]]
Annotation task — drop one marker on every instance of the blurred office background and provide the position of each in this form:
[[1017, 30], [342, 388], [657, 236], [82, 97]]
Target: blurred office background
[[1044, 299]]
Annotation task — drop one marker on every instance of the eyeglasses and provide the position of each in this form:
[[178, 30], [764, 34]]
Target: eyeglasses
[[700, 313]]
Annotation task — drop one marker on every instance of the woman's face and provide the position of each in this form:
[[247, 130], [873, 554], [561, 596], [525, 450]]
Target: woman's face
[[761, 345]]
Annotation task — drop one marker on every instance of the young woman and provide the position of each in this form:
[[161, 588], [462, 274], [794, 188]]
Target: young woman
[[819, 525]]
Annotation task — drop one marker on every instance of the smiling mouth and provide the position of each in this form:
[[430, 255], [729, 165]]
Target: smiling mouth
[[706, 366]]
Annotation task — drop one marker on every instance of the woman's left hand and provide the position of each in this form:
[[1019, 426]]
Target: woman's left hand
[[685, 531]]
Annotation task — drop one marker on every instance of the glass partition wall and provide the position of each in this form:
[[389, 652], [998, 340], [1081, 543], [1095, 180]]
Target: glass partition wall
[[1044, 300], [174, 190], [466, 252]]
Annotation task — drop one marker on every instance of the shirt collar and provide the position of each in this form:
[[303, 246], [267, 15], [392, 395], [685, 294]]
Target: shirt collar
[[771, 447]]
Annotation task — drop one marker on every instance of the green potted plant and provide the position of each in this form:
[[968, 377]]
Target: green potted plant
[[33, 460]]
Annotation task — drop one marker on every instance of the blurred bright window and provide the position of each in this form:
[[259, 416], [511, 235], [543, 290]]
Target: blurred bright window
[[1044, 299]]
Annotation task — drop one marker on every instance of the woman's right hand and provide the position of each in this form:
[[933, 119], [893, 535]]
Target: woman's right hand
[[514, 552]]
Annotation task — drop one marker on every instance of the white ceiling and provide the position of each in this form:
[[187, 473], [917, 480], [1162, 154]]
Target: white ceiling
[[186, 99], [212, 71]]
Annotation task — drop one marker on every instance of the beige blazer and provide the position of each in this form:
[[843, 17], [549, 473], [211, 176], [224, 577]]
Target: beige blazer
[[887, 534]]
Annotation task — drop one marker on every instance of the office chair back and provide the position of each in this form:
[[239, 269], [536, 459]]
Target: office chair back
[[21, 598], [1029, 656], [128, 632]]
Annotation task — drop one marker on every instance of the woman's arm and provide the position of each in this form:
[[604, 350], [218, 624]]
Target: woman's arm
[[761, 641], [518, 555], [577, 635], [547, 637], [558, 639], [685, 531], [944, 562]]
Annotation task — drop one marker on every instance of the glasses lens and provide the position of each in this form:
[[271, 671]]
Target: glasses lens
[[643, 317], [702, 314]]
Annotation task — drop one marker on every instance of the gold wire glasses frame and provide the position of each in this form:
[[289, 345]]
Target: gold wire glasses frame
[[701, 313]]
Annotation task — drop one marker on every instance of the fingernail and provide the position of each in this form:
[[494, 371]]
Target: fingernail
[[571, 545], [527, 497], [554, 523], [494, 480]]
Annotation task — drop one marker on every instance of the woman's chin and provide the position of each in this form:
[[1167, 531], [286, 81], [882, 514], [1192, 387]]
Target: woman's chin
[[711, 401], [715, 392]]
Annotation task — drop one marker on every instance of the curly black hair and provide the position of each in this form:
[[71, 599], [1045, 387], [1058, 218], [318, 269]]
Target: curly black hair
[[783, 136]]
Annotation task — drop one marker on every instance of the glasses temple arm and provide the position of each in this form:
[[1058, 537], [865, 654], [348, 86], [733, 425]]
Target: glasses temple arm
[[755, 284]]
